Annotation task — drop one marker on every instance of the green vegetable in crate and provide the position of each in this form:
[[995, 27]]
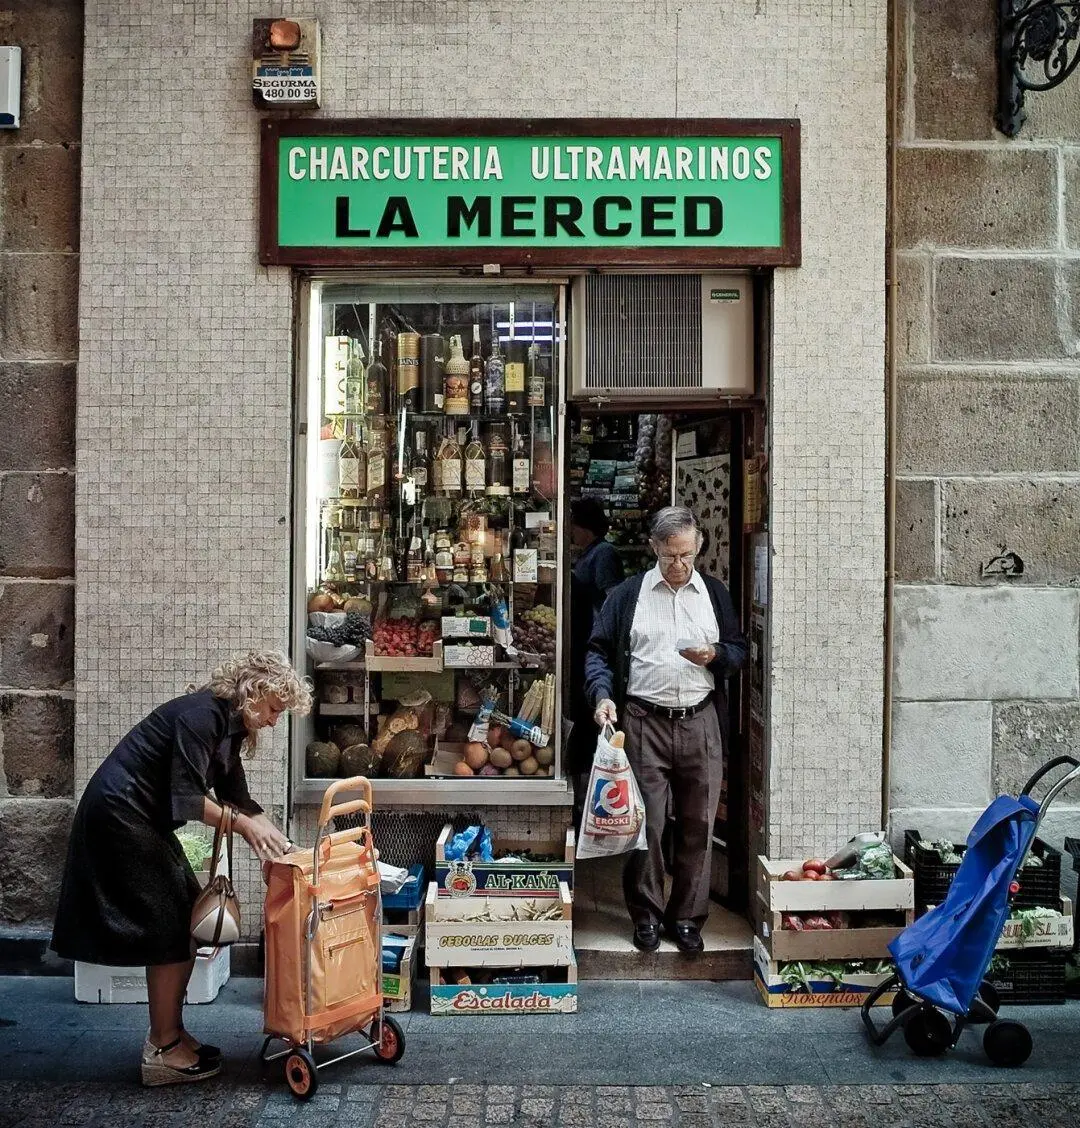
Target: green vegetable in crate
[[404, 755], [359, 760], [323, 759]]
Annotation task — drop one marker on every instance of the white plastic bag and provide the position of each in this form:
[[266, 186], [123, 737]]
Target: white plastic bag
[[614, 818]]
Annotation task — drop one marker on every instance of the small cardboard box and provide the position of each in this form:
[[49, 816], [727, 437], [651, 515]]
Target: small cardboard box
[[466, 626], [98, 983], [449, 998], [506, 879], [457, 656], [397, 986], [461, 932], [851, 991]]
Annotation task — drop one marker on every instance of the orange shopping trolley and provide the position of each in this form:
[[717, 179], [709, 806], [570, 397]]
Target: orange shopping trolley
[[323, 930]]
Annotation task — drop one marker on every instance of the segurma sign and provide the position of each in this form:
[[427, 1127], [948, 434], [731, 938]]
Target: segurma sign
[[420, 192]]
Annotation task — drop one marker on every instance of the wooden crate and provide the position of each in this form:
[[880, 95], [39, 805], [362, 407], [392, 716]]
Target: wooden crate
[[506, 879], [1050, 932], [456, 933], [397, 987], [450, 998], [830, 944], [851, 991], [432, 665], [806, 896]]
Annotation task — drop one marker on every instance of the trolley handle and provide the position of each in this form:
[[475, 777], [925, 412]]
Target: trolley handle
[[329, 811], [1049, 766]]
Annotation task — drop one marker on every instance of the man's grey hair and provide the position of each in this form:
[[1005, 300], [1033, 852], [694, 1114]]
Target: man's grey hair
[[672, 521]]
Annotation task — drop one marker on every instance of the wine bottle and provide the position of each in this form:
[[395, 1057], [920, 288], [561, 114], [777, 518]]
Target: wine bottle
[[354, 380], [498, 456], [514, 376], [475, 463], [537, 378], [449, 464], [349, 465], [335, 572], [476, 374], [521, 476], [494, 380], [375, 394]]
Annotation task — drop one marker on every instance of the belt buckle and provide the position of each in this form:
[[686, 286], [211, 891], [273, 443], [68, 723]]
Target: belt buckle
[[679, 713]]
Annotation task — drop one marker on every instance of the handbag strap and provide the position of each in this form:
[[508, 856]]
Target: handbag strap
[[224, 828]]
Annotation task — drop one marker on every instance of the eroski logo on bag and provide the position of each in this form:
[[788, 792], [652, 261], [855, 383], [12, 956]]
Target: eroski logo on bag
[[611, 803]]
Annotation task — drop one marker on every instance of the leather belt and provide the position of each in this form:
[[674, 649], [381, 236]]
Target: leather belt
[[672, 714]]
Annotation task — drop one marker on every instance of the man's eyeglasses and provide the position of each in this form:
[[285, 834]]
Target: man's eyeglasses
[[682, 558]]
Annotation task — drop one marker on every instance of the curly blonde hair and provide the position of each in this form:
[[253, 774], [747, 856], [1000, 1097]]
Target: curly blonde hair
[[246, 678]]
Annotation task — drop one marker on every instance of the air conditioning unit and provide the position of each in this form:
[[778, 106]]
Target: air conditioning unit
[[659, 335]]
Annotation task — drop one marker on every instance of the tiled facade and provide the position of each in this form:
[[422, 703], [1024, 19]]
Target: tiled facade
[[184, 413]]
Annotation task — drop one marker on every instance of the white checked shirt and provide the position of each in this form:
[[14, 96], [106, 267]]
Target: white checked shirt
[[663, 617]]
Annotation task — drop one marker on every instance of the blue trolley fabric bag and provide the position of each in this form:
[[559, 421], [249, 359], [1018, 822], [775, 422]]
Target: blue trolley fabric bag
[[943, 957]]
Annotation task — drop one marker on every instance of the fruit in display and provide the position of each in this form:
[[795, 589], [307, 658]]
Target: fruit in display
[[322, 759], [495, 735], [528, 766], [359, 760], [345, 735], [463, 769], [476, 755], [500, 758], [521, 750], [320, 601], [545, 756], [353, 632], [534, 633], [404, 755]]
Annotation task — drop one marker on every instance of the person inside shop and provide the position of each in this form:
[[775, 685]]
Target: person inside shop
[[661, 648], [128, 889], [597, 569]]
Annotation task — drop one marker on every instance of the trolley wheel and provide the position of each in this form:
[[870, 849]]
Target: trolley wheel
[[989, 995], [301, 1075], [902, 1001], [928, 1033], [1007, 1042], [391, 1043]]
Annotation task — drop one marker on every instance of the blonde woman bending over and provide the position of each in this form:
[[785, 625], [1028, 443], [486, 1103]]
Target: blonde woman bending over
[[128, 889]]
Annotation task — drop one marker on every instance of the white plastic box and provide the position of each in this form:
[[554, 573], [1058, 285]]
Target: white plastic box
[[97, 983]]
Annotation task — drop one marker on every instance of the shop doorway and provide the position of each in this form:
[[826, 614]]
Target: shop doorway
[[634, 462]]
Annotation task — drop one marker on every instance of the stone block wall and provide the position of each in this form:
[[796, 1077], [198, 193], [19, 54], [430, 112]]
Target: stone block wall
[[986, 679], [39, 265]]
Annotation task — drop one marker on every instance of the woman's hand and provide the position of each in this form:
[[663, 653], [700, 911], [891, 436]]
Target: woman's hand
[[262, 836]]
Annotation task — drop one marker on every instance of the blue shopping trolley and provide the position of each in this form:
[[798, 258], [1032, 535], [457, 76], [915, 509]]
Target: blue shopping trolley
[[942, 959]]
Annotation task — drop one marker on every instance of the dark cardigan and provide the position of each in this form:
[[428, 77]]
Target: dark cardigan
[[607, 663]]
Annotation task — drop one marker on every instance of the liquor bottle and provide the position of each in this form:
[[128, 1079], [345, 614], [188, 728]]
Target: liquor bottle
[[498, 460], [521, 476], [448, 461], [456, 380], [408, 371], [348, 558], [494, 380], [368, 563], [354, 380], [414, 560], [420, 463], [537, 378], [475, 463], [514, 376], [349, 465], [432, 371], [543, 469], [476, 374], [444, 557], [335, 572], [376, 466], [375, 394], [389, 359]]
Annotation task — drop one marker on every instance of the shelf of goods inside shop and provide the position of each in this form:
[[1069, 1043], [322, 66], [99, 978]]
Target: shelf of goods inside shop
[[934, 865], [815, 919]]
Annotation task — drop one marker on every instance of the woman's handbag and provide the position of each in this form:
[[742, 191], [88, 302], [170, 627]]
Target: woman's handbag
[[215, 916]]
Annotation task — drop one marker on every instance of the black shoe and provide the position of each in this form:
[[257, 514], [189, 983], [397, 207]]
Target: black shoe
[[687, 938], [646, 937]]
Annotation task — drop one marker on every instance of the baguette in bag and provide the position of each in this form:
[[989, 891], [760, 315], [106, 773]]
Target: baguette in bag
[[613, 821]]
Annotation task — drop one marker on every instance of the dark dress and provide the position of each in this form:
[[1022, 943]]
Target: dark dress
[[128, 889]]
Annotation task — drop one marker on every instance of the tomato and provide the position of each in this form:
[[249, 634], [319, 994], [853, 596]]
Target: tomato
[[792, 875], [814, 865], [809, 875]]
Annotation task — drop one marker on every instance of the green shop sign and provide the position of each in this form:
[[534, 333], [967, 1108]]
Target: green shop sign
[[535, 193]]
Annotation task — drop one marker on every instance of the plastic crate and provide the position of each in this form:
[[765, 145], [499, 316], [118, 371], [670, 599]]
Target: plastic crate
[[411, 894], [1029, 977], [1039, 885]]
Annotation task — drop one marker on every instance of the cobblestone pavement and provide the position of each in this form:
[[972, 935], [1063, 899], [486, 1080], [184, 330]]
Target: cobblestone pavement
[[219, 1104]]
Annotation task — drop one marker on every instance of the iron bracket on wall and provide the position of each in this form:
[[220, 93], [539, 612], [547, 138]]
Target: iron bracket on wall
[[1038, 48]]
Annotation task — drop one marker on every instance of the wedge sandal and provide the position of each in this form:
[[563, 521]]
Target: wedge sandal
[[154, 1071]]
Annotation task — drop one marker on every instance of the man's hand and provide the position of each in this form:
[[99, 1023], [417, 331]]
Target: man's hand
[[262, 836], [699, 655], [606, 713]]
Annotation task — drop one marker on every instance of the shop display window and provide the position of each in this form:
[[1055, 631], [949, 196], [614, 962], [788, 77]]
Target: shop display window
[[431, 535]]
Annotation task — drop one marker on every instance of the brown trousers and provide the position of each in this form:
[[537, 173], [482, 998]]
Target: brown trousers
[[678, 764]]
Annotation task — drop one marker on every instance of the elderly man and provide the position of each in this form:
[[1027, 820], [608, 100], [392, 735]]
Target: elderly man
[[662, 645]]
